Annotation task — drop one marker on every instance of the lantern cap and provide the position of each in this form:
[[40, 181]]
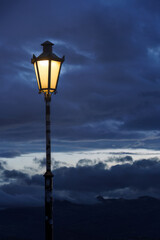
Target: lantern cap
[[47, 47], [47, 43], [47, 53]]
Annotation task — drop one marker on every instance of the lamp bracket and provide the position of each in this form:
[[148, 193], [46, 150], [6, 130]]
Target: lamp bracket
[[47, 97]]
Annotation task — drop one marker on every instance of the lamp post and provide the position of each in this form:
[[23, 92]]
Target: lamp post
[[47, 68]]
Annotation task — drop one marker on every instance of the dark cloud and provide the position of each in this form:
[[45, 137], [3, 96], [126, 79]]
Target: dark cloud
[[10, 154], [35, 180], [40, 162], [2, 164], [13, 195], [108, 87], [14, 174], [59, 164], [84, 162], [56, 164], [84, 182], [121, 159], [141, 175]]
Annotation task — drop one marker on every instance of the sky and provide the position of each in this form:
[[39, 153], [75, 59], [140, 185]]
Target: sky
[[105, 116]]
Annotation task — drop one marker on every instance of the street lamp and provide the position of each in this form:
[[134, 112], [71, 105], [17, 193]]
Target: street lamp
[[47, 68]]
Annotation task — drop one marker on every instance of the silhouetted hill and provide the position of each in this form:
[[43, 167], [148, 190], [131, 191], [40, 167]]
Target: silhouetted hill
[[115, 219]]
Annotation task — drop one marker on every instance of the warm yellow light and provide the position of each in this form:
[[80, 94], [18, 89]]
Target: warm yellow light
[[43, 72], [55, 67], [35, 68]]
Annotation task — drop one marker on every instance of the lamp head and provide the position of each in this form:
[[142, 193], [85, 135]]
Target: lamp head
[[47, 68]]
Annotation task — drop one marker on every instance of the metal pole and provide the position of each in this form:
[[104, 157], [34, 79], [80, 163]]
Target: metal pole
[[48, 177]]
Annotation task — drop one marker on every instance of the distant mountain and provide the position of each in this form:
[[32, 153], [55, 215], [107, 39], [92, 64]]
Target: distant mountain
[[142, 198], [110, 219]]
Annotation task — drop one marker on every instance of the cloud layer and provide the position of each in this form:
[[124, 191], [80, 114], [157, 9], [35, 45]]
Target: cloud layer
[[82, 183]]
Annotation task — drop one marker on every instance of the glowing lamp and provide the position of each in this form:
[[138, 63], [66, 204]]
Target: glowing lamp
[[47, 68]]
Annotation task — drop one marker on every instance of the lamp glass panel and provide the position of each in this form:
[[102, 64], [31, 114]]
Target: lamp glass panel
[[43, 72], [35, 67], [55, 67]]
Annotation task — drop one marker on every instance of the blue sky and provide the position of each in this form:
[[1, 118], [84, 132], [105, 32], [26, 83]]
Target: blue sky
[[108, 94]]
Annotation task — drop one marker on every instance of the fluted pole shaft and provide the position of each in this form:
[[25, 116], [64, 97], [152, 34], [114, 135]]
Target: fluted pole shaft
[[48, 179]]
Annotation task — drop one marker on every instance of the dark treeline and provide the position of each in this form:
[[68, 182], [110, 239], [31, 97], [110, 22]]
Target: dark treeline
[[115, 219]]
